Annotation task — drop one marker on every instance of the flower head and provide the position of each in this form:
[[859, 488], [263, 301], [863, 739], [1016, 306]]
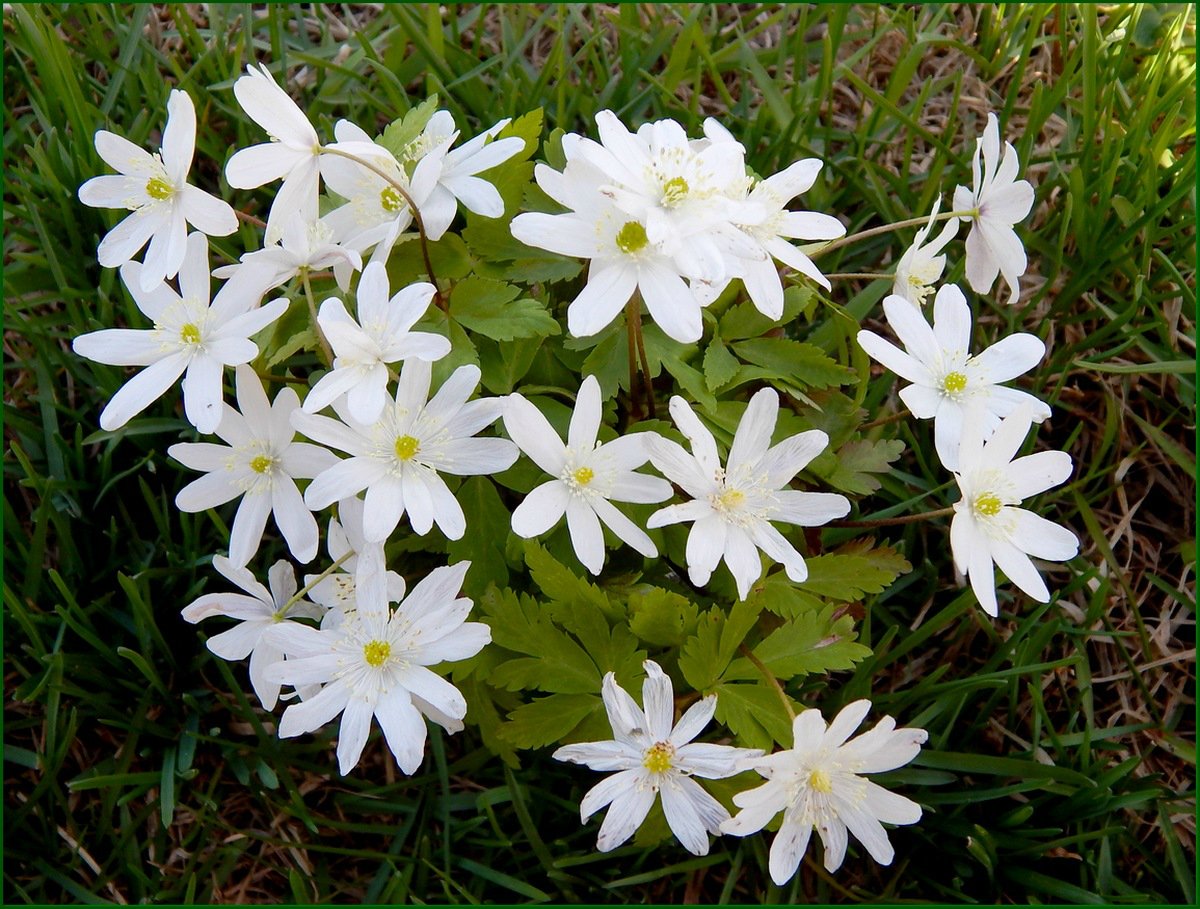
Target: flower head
[[654, 757], [733, 506], [947, 379], [363, 580], [818, 784], [1000, 200], [155, 187], [376, 664], [921, 266], [189, 338], [588, 477], [988, 527]]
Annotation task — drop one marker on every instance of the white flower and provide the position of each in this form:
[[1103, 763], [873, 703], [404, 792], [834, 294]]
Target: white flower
[[946, 379], [292, 154], [363, 579], [921, 266], [733, 506], [363, 350], [397, 459], [255, 614], [987, 525], [587, 475], [303, 244], [375, 664], [156, 188], [375, 213], [1001, 200], [654, 758], [458, 181], [189, 336], [260, 463], [818, 784]]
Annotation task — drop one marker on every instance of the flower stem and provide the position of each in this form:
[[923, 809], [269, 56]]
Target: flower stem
[[857, 276], [770, 677], [303, 591], [635, 407], [312, 312], [250, 219], [645, 361], [886, 228], [412, 207], [888, 522]]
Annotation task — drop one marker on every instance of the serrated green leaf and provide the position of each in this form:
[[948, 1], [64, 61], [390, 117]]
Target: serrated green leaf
[[482, 714], [858, 462], [781, 596], [561, 585], [487, 532], [449, 256], [398, 134], [547, 720], [706, 655], [855, 570], [661, 617], [490, 308], [522, 626], [812, 642], [305, 339], [745, 321], [755, 713], [795, 362], [462, 351], [504, 363], [720, 365]]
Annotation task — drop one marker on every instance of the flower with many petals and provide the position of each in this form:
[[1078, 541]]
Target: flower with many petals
[[818, 784], [362, 579], [260, 463], [947, 380], [588, 477], [988, 527], [921, 266], [190, 338], [155, 187], [653, 758], [303, 245], [733, 506]]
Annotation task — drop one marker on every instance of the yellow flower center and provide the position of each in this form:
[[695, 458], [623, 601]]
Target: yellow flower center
[[376, 653], [819, 781], [159, 189], [730, 499], [583, 476], [988, 504], [954, 383], [390, 199], [406, 447], [632, 237], [189, 334], [261, 464], [675, 191], [657, 758]]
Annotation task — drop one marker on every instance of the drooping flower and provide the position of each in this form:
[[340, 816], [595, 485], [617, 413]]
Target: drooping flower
[[155, 187], [397, 459], [189, 338], [921, 266], [988, 527], [946, 379], [1001, 200], [364, 348], [654, 757], [818, 784], [259, 462], [363, 580], [376, 664], [255, 613], [733, 506], [588, 477]]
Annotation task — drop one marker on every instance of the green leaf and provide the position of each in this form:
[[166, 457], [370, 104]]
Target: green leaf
[[706, 654], [661, 617], [482, 713], [755, 713], [402, 131], [490, 308], [720, 365], [812, 642], [305, 339], [504, 363], [854, 570], [462, 351], [795, 362], [561, 585], [484, 542], [854, 466], [745, 321], [557, 662], [547, 720], [449, 256]]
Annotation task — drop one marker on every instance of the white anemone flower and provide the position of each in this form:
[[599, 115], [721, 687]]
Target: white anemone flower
[[260, 463], [189, 338], [255, 613], [364, 348], [921, 266], [588, 477], [654, 758], [818, 784], [397, 459], [363, 580], [155, 187], [376, 664], [947, 379], [1001, 200], [988, 527], [733, 506], [458, 181], [303, 245]]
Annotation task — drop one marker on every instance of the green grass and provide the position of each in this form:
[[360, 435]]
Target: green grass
[[1059, 768]]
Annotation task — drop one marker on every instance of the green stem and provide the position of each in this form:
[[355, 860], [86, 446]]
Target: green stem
[[643, 359], [857, 276], [635, 409], [770, 677], [412, 207], [312, 312], [886, 228], [903, 519], [303, 592]]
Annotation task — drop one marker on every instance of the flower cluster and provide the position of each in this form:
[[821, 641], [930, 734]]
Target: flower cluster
[[386, 429]]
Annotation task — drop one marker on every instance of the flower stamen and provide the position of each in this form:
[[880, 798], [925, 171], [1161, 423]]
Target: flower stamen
[[657, 758], [376, 653], [631, 238]]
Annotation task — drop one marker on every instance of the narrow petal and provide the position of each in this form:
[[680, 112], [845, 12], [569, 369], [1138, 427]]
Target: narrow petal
[[607, 291], [403, 727], [353, 732], [533, 434], [684, 819], [705, 547], [913, 331], [658, 702], [207, 213], [312, 714], [1043, 539], [142, 390], [585, 419], [295, 521], [625, 815], [586, 536], [625, 530], [1019, 569], [952, 320], [753, 436], [892, 357], [605, 791], [541, 509], [788, 848], [248, 526]]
